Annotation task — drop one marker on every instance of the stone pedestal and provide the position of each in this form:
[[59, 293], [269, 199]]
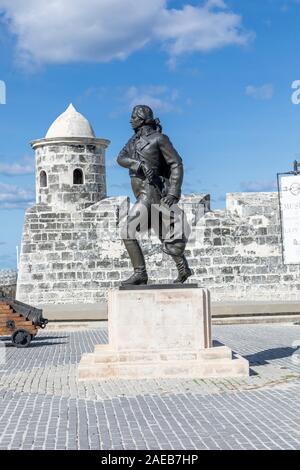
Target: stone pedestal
[[160, 332]]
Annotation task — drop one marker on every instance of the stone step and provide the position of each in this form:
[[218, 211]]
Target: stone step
[[89, 369], [104, 354]]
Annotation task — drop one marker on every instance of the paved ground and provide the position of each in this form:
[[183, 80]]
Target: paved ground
[[43, 407]]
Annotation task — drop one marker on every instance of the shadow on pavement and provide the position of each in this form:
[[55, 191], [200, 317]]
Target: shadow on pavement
[[263, 357]]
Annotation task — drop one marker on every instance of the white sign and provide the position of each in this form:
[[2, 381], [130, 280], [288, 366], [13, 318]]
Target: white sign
[[289, 193]]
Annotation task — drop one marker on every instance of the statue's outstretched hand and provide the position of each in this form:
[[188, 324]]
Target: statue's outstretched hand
[[169, 200]]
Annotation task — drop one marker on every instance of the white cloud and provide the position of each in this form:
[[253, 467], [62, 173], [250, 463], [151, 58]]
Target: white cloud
[[286, 6], [14, 197], [159, 98], [200, 28], [216, 3], [26, 167], [258, 185], [111, 163], [264, 92], [102, 30]]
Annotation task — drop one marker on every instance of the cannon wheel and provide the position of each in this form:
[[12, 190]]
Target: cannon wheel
[[21, 338]]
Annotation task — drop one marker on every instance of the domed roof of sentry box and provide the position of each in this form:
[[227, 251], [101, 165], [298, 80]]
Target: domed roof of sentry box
[[70, 124]]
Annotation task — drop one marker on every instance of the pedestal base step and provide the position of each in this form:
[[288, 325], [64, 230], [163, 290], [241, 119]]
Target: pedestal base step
[[216, 362]]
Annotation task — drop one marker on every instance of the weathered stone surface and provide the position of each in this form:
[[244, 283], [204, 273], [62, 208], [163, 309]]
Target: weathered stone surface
[[244, 263], [160, 333], [60, 191], [58, 156], [8, 282]]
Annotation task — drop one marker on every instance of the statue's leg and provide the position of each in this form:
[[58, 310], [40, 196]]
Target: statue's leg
[[136, 256], [184, 271], [176, 251], [132, 246], [174, 240]]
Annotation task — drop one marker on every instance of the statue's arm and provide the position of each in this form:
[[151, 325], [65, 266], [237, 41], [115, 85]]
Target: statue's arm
[[124, 159], [174, 161]]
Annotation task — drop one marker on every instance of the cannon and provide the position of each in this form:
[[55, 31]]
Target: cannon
[[20, 321]]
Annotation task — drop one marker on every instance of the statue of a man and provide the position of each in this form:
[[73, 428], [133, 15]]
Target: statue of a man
[[156, 173]]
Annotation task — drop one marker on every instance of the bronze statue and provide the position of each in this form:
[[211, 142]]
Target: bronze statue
[[156, 173]]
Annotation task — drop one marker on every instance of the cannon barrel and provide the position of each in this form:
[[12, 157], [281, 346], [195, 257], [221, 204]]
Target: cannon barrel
[[35, 315]]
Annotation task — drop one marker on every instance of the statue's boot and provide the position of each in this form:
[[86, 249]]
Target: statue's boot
[[139, 275], [184, 272]]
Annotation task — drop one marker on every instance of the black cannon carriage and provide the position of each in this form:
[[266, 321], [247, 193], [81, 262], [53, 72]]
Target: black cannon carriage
[[20, 321]]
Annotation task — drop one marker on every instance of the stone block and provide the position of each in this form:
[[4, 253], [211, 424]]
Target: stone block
[[160, 332]]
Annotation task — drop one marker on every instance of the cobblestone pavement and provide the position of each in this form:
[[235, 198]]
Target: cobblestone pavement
[[42, 406]]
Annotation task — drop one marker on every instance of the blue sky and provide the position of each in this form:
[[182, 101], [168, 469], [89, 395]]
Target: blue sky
[[217, 73]]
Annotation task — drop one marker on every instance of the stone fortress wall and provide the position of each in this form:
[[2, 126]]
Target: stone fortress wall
[[236, 253], [8, 277], [8, 282], [72, 253]]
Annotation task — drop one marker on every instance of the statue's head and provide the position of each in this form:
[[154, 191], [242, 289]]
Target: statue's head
[[141, 115]]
